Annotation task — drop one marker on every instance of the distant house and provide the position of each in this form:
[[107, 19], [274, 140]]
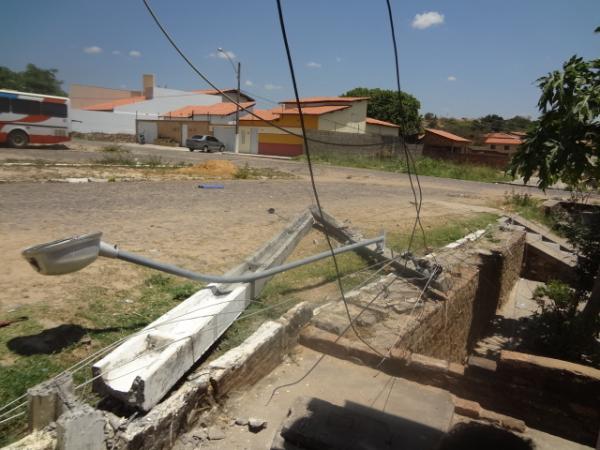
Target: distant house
[[440, 143], [381, 127], [329, 114], [217, 120], [502, 142], [107, 110]]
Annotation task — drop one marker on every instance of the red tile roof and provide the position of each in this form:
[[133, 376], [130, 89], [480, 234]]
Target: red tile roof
[[326, 100], [275, 113], [112, 104], [218, 109], [446, 135], [264, 114], [312, 110], [502, 139], [371, 121]]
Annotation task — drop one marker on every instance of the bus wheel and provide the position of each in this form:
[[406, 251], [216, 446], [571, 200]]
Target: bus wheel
[[18, 139]]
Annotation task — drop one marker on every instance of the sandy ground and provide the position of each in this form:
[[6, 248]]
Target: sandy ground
[[204, 230]]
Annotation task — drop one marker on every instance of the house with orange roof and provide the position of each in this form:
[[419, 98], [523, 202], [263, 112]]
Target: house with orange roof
[[264, 133], [440, 143], [503, 142], [277, 131], [381, 127], [108, 110]]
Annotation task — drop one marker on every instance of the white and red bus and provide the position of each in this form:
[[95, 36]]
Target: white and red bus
[[33, 118]]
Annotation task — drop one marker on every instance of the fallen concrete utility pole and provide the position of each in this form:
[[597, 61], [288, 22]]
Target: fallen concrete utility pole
[[141, 371], [382, 254]]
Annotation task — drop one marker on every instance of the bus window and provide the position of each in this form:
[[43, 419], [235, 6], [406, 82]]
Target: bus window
[[54, 109], [4, 104], [29, 107]]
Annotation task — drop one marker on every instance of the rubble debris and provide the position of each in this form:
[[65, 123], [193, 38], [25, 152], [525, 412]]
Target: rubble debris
[[255, 425]]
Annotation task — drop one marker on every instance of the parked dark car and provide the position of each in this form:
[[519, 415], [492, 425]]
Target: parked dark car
[[205, 143]]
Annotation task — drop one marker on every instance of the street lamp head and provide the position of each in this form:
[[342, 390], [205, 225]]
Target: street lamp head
[[220, 49], [64, 255]]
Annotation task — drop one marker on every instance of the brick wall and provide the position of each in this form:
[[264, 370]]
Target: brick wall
[[449, 330]]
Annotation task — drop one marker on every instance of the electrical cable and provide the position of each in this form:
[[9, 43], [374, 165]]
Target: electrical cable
[[409, 159], [231, 99], [312, 175]]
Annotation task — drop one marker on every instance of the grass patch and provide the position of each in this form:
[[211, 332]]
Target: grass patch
[[439, 235], [284, 291], [113, 148], [424, 166], [104, 315], [530, 208]]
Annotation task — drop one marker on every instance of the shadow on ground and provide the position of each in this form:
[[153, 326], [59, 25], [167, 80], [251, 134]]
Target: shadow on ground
[[54, 340]]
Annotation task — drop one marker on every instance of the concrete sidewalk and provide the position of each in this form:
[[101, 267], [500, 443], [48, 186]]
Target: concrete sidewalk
[[425, 413]]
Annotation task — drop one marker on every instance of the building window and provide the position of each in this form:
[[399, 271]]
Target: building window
[[507, 147], [493, 146]]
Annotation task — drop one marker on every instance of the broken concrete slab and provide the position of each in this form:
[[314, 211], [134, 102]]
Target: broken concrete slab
[[141, 371], [241, 366]]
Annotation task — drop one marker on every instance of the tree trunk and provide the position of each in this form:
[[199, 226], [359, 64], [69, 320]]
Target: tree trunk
[[592, 308]]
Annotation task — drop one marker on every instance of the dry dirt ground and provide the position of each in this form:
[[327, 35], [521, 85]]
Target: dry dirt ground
[[173, 220]]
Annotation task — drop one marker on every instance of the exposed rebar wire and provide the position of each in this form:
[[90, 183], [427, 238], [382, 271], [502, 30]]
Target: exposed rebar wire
[[12, 417]]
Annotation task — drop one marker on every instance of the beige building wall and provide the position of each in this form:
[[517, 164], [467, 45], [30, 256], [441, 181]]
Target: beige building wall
[[381, 130], [81, 95], [350, 120]]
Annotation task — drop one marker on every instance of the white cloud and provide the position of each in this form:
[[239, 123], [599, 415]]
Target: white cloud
[[272, 87], [212, 55], [427, 19], [451, 78], [93, 50], [248, 83], [116, 52], [313, 65], [338, 59], [135, 53]]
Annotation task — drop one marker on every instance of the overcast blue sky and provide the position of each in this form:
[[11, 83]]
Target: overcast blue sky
[[462, 58]]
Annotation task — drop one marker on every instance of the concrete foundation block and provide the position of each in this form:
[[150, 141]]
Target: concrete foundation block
[[48, 400], [81, 428]]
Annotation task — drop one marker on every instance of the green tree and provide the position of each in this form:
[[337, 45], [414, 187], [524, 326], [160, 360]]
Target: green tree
[[492, 123], [564, 145], [32, 79], [385, 105]]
